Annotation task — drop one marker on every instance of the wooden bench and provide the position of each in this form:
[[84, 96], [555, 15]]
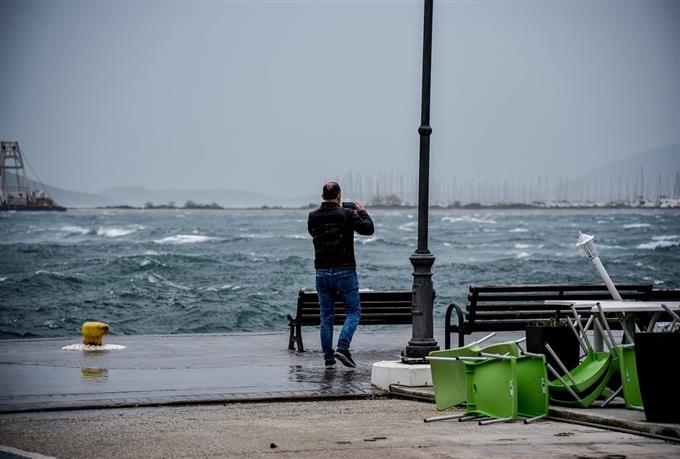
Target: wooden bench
[[514, 307], [377, 308]]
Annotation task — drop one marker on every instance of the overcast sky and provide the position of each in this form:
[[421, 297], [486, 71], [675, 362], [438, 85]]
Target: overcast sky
[[274, 96]]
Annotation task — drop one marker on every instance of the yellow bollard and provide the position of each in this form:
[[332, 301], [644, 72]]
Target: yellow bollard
[[93, 332]]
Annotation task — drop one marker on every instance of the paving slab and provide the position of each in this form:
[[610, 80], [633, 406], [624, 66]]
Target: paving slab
[[368, 428]]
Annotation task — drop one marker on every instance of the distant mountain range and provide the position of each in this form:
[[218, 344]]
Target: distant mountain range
[[657, 168], [138, 196], [650, 163], [654, 170]]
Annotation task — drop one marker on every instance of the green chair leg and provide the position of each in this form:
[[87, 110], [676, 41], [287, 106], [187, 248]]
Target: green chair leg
[[629, 376]]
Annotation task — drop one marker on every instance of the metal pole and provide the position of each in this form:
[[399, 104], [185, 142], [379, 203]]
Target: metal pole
[[422, 341]]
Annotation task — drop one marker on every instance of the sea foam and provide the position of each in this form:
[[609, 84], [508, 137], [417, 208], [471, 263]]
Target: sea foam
[[75, 229], [185, 239], [112, 231], [468, 219], [660, 242]]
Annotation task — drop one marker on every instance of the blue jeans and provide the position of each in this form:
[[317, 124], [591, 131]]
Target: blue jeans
[[332, 284]]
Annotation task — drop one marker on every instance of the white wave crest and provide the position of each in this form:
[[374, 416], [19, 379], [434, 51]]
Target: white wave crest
[[468, 219], [409, 226], [523, 255], [113, 232], [637, 225], [158, 279], [185, 239], [49, 273], [74, 229], [297, 236], [526, 246], [658, 244], [3, 279], [668, 237], [224, 287], [518, 230]]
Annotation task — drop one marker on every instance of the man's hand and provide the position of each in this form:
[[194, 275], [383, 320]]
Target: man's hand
[[360, 206]]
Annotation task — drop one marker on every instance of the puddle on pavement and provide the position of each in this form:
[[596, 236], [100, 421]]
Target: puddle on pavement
[[94, 374]]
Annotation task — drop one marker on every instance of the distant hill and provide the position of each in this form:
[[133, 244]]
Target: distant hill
[[138, 196], [662, 160], [67, 198], [655, 169]]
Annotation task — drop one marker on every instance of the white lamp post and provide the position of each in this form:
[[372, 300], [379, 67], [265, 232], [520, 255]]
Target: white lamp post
[[585, 241]]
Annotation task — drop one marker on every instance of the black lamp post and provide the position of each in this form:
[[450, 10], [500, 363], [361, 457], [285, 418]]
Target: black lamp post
[[422, 339]]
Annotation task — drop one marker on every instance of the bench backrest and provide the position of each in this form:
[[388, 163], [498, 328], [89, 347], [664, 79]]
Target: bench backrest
[[513, 305], [384, 307]]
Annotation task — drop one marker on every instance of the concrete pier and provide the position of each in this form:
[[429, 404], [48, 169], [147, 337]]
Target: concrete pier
[[52, 402]]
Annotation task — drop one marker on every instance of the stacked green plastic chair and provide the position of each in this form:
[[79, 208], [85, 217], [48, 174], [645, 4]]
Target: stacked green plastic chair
[[583, 385], [498, 382], [448, 374]]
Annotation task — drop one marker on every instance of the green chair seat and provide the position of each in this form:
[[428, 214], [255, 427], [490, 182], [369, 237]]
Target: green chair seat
[[491, 387], [532, 390], [448, 377], [587, 397], [586, 374]]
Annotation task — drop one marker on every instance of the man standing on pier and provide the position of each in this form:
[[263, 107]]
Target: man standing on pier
[[332, 227]]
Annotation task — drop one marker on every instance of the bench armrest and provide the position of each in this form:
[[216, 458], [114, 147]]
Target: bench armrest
[[447, 325]]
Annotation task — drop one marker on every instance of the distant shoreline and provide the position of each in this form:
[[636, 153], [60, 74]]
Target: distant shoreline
[[379, 207]]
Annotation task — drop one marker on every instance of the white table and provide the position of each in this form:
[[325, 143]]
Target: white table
[[620, 308]]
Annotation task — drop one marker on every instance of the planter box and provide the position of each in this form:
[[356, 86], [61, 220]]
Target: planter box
[[656, 358], [561, 339]]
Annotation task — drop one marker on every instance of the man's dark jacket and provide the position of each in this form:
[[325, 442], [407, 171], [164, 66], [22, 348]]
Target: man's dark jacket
[[332, 228]]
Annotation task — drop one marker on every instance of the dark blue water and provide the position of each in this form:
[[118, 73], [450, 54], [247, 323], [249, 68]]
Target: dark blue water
[[149, 272]]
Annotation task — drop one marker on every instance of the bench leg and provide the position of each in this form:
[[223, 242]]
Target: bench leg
[[298, 337]]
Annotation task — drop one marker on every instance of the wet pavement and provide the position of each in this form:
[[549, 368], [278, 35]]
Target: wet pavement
[[176, 369], [37, 375]]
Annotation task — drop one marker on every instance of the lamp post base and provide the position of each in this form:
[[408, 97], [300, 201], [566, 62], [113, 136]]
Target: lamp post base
[[422, 339], [419, 349]]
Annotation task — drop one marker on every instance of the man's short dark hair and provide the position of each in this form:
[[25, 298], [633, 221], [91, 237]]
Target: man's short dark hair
[[331, 191]]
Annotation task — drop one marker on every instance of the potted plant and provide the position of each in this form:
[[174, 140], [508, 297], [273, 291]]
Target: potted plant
[[559, 335], [654, 356]]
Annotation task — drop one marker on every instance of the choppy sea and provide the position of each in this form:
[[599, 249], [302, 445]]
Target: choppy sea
[[178, 271]]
